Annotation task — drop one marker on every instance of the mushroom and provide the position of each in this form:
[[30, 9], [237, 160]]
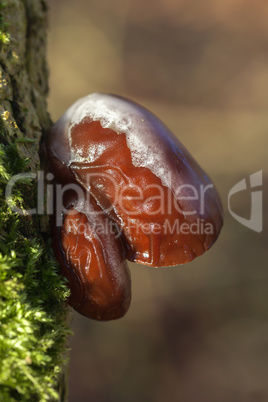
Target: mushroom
[[134, 189]]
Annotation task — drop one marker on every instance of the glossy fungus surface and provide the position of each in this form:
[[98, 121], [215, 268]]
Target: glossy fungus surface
[[137, 194]]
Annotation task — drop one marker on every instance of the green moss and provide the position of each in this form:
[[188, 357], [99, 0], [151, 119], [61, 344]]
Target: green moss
[[33, 328], [4, 38]]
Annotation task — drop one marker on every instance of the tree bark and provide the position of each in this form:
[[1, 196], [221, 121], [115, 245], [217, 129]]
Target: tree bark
[[23, 119], [24, 73]]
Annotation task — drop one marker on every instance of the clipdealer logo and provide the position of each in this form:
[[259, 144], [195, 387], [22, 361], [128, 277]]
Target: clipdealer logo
[[255, 221], [44, 190]]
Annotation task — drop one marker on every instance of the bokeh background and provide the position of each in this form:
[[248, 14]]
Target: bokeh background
[[194, 333]]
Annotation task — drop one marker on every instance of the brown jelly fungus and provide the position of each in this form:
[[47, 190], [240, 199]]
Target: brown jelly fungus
[[131, 191]]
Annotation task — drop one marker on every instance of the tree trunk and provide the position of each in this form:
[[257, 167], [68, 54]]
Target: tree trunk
[[33, 327], [24, 73]]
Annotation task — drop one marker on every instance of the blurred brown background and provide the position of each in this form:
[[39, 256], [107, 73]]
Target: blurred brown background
[[195, 333]]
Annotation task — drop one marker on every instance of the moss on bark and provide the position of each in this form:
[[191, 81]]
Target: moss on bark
[[33, 327]]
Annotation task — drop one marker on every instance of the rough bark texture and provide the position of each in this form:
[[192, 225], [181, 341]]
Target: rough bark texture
[[24, 73], [23, 119]]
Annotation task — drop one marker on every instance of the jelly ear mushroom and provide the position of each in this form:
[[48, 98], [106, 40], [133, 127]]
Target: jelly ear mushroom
[[163, 208], [92, 259]]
